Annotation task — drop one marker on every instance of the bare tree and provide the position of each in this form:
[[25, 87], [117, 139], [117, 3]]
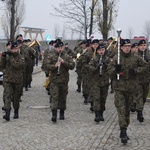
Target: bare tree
[[77, 13], [13, 17], [64, 33], [56, 30], [130, 33], [146, 29], [106, 15]]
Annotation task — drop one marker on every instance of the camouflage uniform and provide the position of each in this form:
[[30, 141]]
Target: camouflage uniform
[[13, 78], [59, 83], [125, 87]]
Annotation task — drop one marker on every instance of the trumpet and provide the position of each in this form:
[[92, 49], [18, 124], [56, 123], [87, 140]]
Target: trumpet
[[58, 70]]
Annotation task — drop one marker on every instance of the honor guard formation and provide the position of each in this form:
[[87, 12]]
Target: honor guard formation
[[118, 64]]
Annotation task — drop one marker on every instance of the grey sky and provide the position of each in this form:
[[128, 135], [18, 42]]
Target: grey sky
[[132, 13]]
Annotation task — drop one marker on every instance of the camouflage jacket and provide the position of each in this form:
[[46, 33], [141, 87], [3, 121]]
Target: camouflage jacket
[[68, 64], [13, 66], [126, 81], [98, 70]]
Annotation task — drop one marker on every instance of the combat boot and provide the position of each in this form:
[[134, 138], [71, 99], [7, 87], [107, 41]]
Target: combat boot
[[54, 115], [140, 116], [97, 118], [16, 114], [79, 88], [101, 115], [62, 117], [85, 99], [91, 108], [7, 115], [123, 136]]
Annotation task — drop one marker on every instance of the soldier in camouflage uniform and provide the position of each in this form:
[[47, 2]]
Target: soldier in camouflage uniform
[[130, 66], [59, 63], [77, 53], [143, 80], [13, 63], [98, 67]]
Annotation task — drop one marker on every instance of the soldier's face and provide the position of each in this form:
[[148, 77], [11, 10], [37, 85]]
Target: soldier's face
[[59, 49], [142, 47], [126, 48], [135, 49], [101, 51], [95, 45]]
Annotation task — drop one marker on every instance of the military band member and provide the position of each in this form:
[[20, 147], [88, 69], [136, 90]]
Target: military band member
[[129, 67], [59, 63], [13, 63], [98, 67]]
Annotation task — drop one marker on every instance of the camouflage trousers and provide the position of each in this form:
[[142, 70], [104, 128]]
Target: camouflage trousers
[[59, 94], [12, 93], [79, 77], [99, 96], [137, 98], [85, 85], [123, 102]]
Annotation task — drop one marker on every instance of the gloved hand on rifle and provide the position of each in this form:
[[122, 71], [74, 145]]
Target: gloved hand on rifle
[[118, 68], [132, 72]]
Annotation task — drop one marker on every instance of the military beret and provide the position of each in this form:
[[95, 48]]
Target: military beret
[[100, 46], [88, 44], [111, 38], [51, 42], [8, 43], [25, 40], [57, 40], [59, 44], [19, 35], [141, 42], [19, 42], [28, 40], [14, 45], [95, 41], [134, 44], [124, 41], [83, 42]]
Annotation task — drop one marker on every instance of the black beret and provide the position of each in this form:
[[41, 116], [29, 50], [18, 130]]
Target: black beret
[[51, 42], [141, 42], [111, 38], [59, 44], [19, 42], [84, 42], [95, 41], [134, 44], [100, 46], [57, 40], [88, 44], [19, 35], [28, 40], [124, 41], [14, 45], [8, 43], [24, 40]]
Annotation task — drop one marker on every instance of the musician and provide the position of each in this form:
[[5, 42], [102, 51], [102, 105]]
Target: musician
[[129, 67], [59, 63], [100, 79], [143, 79], [13, 63]]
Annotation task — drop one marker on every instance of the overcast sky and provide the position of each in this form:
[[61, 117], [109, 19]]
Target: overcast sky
[[131, 14]]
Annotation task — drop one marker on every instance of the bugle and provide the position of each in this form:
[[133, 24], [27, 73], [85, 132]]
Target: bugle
[[118, 58]]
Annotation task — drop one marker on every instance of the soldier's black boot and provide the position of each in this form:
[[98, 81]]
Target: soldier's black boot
[[16, 113], [85, 99], [123, 136], [79, 88], [54, 115], [7, 115], [91, 108], [97, 118], [140, 116], [101, 115], [62, 117]]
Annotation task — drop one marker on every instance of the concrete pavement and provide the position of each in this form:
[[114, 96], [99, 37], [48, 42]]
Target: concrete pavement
[[34, 130]]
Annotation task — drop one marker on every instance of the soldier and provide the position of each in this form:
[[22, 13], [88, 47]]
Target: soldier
[[59, 63], [77, 54], [13, 63], [98, 67], [143, 79], [129, 67]]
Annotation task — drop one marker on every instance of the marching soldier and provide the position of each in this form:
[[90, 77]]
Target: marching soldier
[[13, 63], [129, 67], [98, 67], [143, 79], [59, 63]]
